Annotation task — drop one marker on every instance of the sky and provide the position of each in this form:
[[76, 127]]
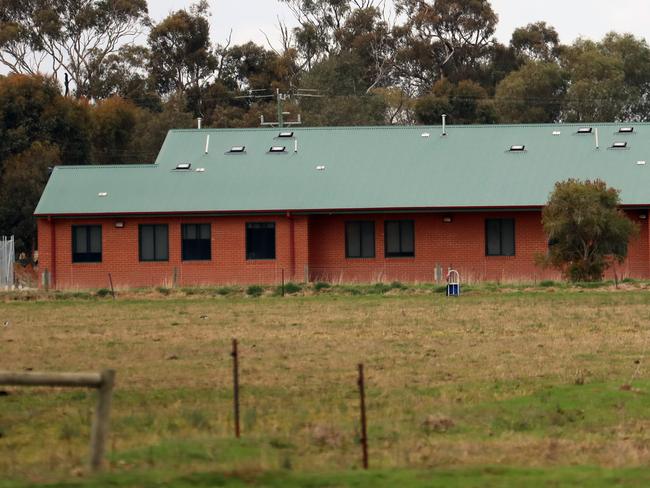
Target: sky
[[572, 18]]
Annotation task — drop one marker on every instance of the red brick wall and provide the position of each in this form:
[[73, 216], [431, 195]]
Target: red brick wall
[[459, 244], [311, 247], [120, 255]]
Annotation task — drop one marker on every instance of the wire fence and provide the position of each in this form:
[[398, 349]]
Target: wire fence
[[7, 259]]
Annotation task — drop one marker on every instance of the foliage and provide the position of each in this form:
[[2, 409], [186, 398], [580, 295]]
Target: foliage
[[21, 183], [32, 109], [254, 290], [538, 41], [464, 103], [586, 229], [112, 130], [71, 36], [533, 93]]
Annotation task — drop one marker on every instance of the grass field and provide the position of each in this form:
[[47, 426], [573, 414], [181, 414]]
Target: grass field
[[516, 386]]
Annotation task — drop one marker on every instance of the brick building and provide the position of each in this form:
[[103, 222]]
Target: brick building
[[336, 204]]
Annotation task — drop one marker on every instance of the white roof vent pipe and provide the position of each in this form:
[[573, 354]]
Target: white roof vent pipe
[[198, 122], [295, 146], [597, 140], [207, 143], [444, 124]]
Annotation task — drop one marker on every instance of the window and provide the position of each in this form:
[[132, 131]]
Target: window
[[183, 166], [237, 149], [585, 130], [500, 237], [286, 134], [626, 130], [260, 240], [86, 243], [360, 239], [153, 243], [196, 242], [619, 145], [517, 148], [278, 149], [399, 238]]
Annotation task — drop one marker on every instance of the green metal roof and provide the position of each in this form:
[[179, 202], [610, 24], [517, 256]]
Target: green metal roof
[[357, 168]]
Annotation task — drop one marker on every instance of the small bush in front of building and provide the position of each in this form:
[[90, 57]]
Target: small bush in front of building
[[397, 285], [102, 292], [379, 288], [163, 291], [225, 291], [292, 288], [321, 285], [547, 283], [254, 291]]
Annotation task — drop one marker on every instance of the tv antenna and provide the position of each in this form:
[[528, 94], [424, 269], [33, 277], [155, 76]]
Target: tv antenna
[[280, 99]]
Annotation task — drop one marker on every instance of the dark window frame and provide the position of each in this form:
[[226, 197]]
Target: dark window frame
[[400, 253], [197, 249], [250, 255], [501, 238], [361, 224], [155, 227], [87, 257]]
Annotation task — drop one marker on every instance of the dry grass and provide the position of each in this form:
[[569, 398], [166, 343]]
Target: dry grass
[[525, 379]]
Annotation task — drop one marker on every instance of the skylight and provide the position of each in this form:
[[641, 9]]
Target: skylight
[[237, 149], [585, 130], [619, 145], [517, 148], [183, 166], [286, 134], [626, 130], [278, 149]]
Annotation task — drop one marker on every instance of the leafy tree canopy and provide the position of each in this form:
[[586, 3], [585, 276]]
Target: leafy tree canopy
[[587, 230]]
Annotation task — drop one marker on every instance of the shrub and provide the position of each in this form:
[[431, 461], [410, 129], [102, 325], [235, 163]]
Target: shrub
[[321, 285], [103, 292], [254, 290], [225, 290], [586, 228], [291, 288]]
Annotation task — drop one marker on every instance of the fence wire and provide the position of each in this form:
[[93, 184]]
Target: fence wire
[[7, 259]]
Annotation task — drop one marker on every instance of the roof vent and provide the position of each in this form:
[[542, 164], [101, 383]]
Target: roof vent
[[200, 170], [102, 194], [585, 130], [626, 130], [320, 167], [237, 149], [183, 166], [641, 163], [286, 134], [557, 133], [517, 148], [426, 134], [619, 145], [278, 149]]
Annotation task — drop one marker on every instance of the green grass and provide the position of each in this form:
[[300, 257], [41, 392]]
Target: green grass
[[501, 387], [440, 478]]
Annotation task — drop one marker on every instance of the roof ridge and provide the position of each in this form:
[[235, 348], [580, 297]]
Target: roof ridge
[[106, 166], [410, 127]]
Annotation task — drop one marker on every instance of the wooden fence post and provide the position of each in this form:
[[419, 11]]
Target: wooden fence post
[[103, 382], [364, 429], [235, 378], [101, 420]]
